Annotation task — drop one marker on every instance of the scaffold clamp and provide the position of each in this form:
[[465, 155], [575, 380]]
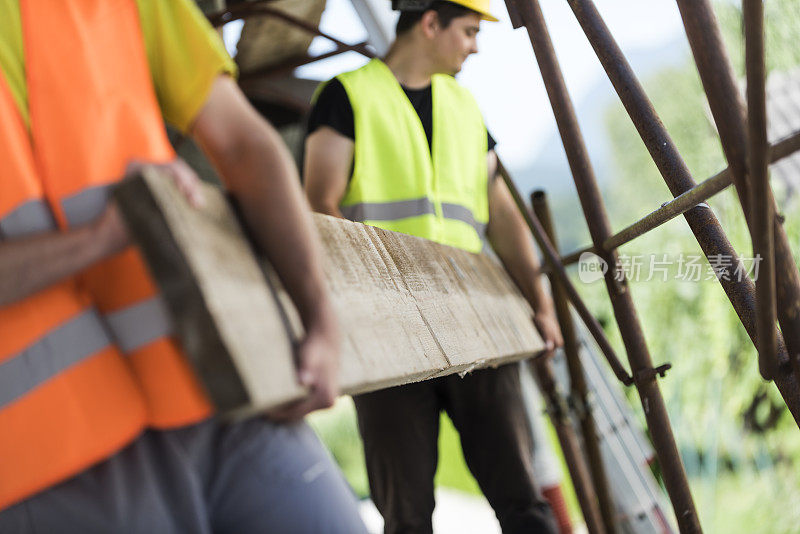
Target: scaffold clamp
[[645, 375]]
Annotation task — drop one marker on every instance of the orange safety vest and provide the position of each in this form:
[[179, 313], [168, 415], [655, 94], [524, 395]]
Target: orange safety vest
[[88, 363]]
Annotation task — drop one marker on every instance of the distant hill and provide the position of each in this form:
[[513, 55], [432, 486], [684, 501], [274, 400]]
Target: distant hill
[[549, 169]]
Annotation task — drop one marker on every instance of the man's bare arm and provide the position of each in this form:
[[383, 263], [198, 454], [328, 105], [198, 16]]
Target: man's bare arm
[[29, 265], [329, 158], [259, 171], [510, 238]]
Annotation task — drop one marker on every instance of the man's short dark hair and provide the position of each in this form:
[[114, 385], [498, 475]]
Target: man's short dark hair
[[446, 11]]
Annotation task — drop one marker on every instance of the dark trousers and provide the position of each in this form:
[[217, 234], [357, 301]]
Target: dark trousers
[[400, 429]]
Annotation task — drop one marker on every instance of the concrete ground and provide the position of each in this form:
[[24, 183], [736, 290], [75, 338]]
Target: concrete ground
[[456, 513]]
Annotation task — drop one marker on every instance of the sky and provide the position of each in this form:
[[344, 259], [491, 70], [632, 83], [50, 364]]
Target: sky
[[504, 77]]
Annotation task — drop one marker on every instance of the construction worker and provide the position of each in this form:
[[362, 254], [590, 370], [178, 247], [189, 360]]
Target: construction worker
[[400, 145], [103, 426]]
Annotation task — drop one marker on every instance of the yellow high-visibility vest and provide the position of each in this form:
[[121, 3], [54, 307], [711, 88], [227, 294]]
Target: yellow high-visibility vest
[[398, 183]]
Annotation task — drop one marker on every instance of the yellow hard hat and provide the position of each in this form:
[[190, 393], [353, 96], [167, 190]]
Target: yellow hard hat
[[479, 6]]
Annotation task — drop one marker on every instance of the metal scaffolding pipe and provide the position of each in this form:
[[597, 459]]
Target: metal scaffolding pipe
[[287, 67], [700, 217], [262, 8], [761, 208], [579, 391], [576, 465], [683, 202], [716, 73], [529, 13]]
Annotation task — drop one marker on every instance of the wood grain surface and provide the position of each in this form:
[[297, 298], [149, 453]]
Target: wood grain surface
[[409, 309]]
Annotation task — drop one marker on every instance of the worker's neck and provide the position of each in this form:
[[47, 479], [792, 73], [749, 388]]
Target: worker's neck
[[410, 63]]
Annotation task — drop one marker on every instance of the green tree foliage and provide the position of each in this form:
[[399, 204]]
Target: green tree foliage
[[781, 32]]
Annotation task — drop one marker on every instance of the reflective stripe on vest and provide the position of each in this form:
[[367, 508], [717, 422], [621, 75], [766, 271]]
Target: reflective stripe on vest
[[69, 344], [86, 205], [401, 209], [399, 183], [31, 218], [139, 325]]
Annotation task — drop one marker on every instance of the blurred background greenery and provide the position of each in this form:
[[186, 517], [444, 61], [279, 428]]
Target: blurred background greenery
[[739, 444]]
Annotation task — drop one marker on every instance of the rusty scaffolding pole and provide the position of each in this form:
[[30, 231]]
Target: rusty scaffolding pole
[[683, 202], [594, 490], [727, 108], [570, 447], [528, 13], [264, 9], [551, 257], [761, 208], [579, 402], [701, 219]]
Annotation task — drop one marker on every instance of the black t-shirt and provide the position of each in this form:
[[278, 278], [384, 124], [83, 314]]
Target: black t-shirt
[[333, 109]]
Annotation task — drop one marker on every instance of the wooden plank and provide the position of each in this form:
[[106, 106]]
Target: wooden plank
[[214, 289], [409, 309], [386, 341]]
